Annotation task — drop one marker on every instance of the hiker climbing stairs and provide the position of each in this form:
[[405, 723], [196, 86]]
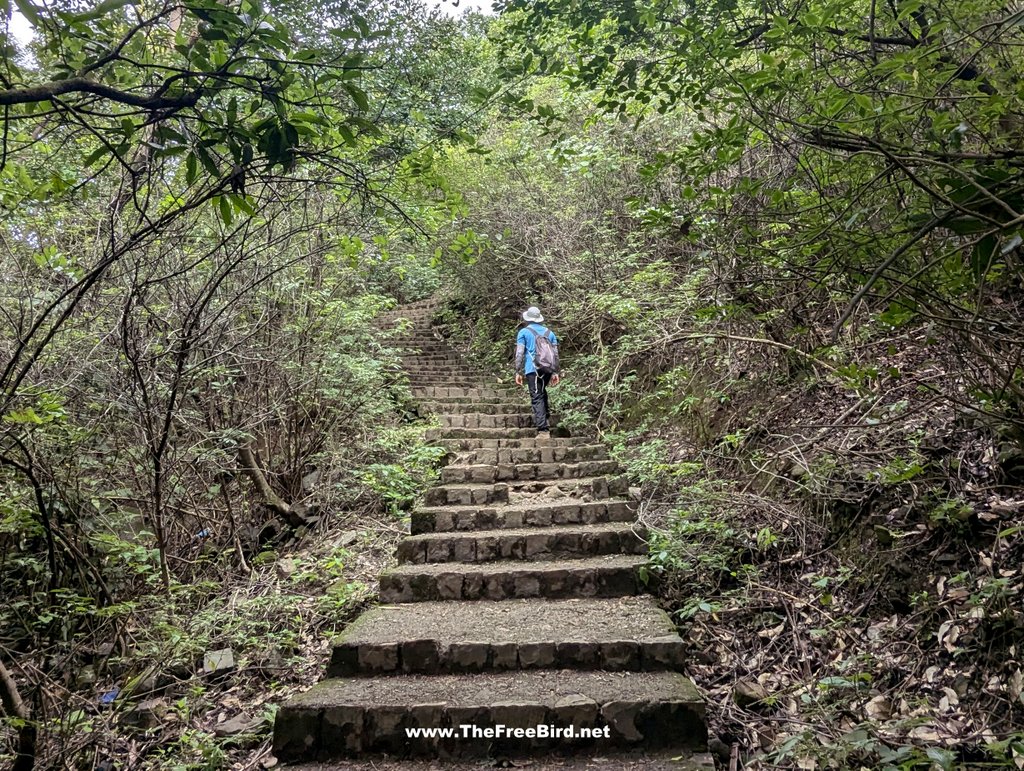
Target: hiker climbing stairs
[[517, 601]]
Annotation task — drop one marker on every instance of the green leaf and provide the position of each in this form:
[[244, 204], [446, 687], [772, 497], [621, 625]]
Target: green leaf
[[191, 168], [225, 209], [95, 155], [242, 204], [982, 255], [207, 160], [358, 96]]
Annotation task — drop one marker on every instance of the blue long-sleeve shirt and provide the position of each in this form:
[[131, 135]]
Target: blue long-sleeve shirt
[[526, 346]]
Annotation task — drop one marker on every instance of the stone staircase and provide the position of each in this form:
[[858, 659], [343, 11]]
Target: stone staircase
[[517, 601]]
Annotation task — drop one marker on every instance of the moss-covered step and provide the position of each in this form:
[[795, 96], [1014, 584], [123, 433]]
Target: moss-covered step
[[342, 717], [556, 542], [491, 472], [533, 513], [606, 576], [619, 633]]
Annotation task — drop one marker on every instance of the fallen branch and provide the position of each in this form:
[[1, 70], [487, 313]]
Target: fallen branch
[[15, 707], [271, 499]]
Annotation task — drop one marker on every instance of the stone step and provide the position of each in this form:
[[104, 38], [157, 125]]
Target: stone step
[[516, 598], [409, 325], [552, 453], [481, 433], [446, 367], [476, 420], [564, 511], [458, 392], [582, 759], [423, 347], [618, 633], [465, 494], [434, 379], [341, 717], [505, 472], [531, 543], [431, 356], [440, 373], [531, 442], [447, 401], [419, 359], [463, 407], [412, 337], [604, 576]]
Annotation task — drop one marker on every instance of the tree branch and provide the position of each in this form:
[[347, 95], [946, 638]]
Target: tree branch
[[46, 91], [15, 707]]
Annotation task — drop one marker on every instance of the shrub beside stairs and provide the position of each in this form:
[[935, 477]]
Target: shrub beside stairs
[[517, 601]]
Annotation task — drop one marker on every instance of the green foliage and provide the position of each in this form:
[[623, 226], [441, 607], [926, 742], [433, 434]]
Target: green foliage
[[649, 462], [414, 467]]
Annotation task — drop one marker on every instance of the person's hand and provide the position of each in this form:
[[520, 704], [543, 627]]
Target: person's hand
[[555, 379], [519, 379]]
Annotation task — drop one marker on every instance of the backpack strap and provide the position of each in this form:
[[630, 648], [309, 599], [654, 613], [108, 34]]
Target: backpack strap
[[536, 334]]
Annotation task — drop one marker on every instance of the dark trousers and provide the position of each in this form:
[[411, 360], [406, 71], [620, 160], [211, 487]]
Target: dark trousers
[[538, 385]]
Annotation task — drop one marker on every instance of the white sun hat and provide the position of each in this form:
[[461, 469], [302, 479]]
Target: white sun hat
[[532, 314]]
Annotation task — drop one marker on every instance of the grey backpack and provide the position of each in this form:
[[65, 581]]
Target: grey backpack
[[545, 356]]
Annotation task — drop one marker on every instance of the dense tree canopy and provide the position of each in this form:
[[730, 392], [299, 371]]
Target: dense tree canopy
[[781, 242]]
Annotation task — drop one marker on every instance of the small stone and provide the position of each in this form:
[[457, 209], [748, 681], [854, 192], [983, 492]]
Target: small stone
[[239, 724], [394, 588], [518, 715], [472, 586], [537, 544], [222, 660], [487, 549], [86, 676], [504, 656], [424, 716], [347, 538], [437, 550], [464, 550], [285, 568], [419, 655], [496, 586], [344, 659], [449, 586], [384, 725], [621, 716], [378, 657], [615, 582], [146, 714], [341, 729], [576, 710], [748, 692], [620, 655], [468, 656], [662, 653], [525, 585], [536, 655], [578, 654], [538, 517]]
